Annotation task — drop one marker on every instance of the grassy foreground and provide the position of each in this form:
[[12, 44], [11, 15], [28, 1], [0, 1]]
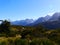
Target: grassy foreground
[[20, 35]]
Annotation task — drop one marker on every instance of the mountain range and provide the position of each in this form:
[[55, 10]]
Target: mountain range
[[47, 21], [23, 22], [52, 23]]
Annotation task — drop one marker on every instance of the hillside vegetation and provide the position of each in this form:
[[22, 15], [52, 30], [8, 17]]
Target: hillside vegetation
[[24, 35]]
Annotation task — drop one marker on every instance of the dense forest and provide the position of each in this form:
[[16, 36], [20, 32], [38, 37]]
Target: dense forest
[[26, 35]]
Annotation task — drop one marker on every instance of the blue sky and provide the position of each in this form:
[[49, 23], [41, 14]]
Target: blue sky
[[22, 9]]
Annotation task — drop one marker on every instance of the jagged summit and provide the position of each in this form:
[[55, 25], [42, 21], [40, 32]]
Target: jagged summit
[[55, 16]]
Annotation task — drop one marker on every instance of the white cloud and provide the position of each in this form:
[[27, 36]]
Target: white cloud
[[51, 13]]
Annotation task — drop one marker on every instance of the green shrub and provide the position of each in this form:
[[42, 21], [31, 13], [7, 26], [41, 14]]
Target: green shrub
[[35, 42], [47, 42], [41, 42], [3, 42], [2, 35], [21, 42], [11, 42]]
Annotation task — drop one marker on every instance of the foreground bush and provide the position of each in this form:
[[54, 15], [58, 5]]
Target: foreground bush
[[19, 41], [41, 42]]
